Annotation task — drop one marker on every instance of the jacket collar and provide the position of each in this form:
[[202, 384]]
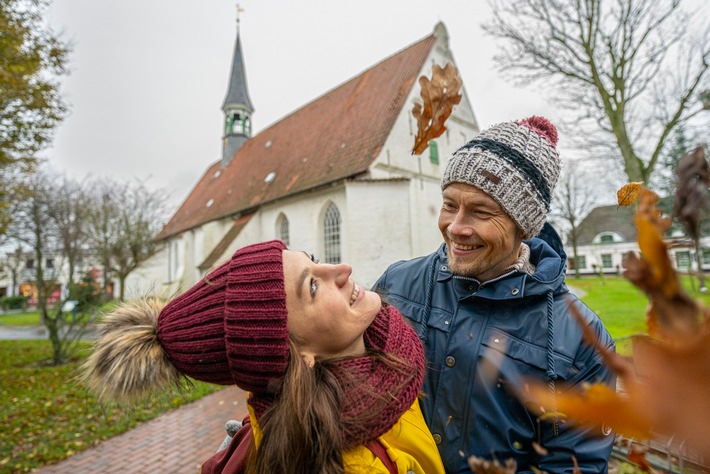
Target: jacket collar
[[549, 273]]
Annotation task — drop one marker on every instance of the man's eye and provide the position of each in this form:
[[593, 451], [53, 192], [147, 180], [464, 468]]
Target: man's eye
[[313, 258], [314, 287]]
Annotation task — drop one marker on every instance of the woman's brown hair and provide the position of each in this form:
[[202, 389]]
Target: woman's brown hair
[[302, 430]]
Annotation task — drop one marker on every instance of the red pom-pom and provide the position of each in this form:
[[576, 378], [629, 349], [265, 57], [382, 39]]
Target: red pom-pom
[[542, 126]]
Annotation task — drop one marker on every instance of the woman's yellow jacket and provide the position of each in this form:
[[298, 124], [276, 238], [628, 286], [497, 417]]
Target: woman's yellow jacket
[[408, 443]]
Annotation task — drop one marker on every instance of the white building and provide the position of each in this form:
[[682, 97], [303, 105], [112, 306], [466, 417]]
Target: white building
[[608, 233], [336, 177], [19, 275]]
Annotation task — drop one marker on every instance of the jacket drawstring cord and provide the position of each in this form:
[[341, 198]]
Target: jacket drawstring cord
[[551, 376], [427, 303]]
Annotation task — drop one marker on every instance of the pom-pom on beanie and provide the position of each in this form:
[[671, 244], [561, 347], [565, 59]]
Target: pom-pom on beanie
[[517, 164]]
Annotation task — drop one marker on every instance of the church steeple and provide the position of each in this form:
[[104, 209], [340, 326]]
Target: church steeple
[[237, 106]]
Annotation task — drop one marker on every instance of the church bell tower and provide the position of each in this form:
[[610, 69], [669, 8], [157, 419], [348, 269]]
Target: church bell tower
[[237, 106]]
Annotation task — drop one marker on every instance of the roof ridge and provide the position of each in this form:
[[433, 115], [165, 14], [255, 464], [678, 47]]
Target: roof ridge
[[347, 81]]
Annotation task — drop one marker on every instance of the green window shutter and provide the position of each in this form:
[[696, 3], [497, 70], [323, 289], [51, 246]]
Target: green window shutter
[[434, 152]]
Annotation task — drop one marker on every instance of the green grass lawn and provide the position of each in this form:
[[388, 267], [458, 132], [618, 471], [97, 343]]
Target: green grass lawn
[[621, 306], [26, 318], [46, 416], [31, 317]]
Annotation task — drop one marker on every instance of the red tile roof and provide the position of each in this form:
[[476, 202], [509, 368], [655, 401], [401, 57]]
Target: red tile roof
[[334, 137]]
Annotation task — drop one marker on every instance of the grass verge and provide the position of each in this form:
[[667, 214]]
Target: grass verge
[[46, 416], [621, 306], [25, 318]]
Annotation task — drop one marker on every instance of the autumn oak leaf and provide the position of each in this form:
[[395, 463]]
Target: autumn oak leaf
[[629, 193], [439, 95]]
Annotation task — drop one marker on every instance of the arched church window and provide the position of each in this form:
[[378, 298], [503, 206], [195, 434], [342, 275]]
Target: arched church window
[[282, 230], [331, 235]]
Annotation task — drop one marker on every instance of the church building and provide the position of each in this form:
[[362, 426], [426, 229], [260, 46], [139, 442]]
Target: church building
[[335, 178]]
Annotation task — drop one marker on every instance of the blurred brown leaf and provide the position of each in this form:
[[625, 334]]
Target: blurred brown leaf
[[629, 193], [693, 179], [486, 466], [666, 384], [439, 95], [637, 455], [671, 313], [676, 381], [596, 405]]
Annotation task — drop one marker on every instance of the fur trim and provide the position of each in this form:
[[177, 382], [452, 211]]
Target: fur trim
[[128, 363]]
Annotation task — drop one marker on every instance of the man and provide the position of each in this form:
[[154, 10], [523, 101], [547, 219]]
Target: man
[[491, 306]]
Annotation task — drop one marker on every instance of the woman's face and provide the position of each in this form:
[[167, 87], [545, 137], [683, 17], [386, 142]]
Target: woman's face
[[327, 311]]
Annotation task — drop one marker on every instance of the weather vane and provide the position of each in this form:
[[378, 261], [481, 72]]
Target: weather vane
[[239, 10]]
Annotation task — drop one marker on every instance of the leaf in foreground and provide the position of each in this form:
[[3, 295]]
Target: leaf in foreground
[[666, 385], [439, 95]]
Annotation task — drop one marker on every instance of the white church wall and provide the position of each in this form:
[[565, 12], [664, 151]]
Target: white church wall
[[426, 203], [379, 227], [150, 279], [424, 172]]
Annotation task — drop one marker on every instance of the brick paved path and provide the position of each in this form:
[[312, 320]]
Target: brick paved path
[[175, 442]]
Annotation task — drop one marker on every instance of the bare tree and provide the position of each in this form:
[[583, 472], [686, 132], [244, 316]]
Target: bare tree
[[13, 264], [628, 72], [142, 216], [70, 210], [102, 224], [124, 221], [33, 225], [573, 200]]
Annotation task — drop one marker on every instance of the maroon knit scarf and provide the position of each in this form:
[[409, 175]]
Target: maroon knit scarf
[[370, 382], [374, 394]]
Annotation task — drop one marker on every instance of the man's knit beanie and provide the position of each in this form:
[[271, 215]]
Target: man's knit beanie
[[517, 164], [229, 328]]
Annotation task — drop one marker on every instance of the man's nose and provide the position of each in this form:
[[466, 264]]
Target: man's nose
[[460, 226]]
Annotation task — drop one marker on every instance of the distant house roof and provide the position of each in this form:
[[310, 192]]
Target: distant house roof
[[334, 137], [617, 219], [620, 220]]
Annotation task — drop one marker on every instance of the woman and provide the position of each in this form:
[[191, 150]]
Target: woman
[[332, 375]]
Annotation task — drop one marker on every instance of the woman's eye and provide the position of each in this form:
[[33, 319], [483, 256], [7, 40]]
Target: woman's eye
[[314, 287], [313, 258]]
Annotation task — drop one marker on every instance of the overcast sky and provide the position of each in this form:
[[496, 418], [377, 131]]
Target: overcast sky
[[149, 76]]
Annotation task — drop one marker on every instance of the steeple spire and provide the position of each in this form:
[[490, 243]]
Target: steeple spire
[[237, 106]]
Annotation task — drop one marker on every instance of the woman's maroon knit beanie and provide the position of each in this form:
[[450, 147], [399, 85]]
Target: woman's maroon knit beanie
[[231, 327]]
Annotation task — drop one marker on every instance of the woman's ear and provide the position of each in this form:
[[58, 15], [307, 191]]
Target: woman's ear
[[309, 358]]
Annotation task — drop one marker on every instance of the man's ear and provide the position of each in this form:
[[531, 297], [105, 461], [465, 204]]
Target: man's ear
[[520, 233], [309, 358]]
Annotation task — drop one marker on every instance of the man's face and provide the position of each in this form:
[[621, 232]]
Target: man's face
[[482, 240]]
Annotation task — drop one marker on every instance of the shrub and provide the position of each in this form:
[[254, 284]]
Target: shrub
[[13, 302], [86, 292]]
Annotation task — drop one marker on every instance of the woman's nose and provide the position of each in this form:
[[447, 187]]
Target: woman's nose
[[342, 272]]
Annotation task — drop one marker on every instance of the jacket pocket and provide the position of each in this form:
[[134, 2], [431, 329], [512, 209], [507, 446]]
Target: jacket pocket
[[523, 358], [414, 313]]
